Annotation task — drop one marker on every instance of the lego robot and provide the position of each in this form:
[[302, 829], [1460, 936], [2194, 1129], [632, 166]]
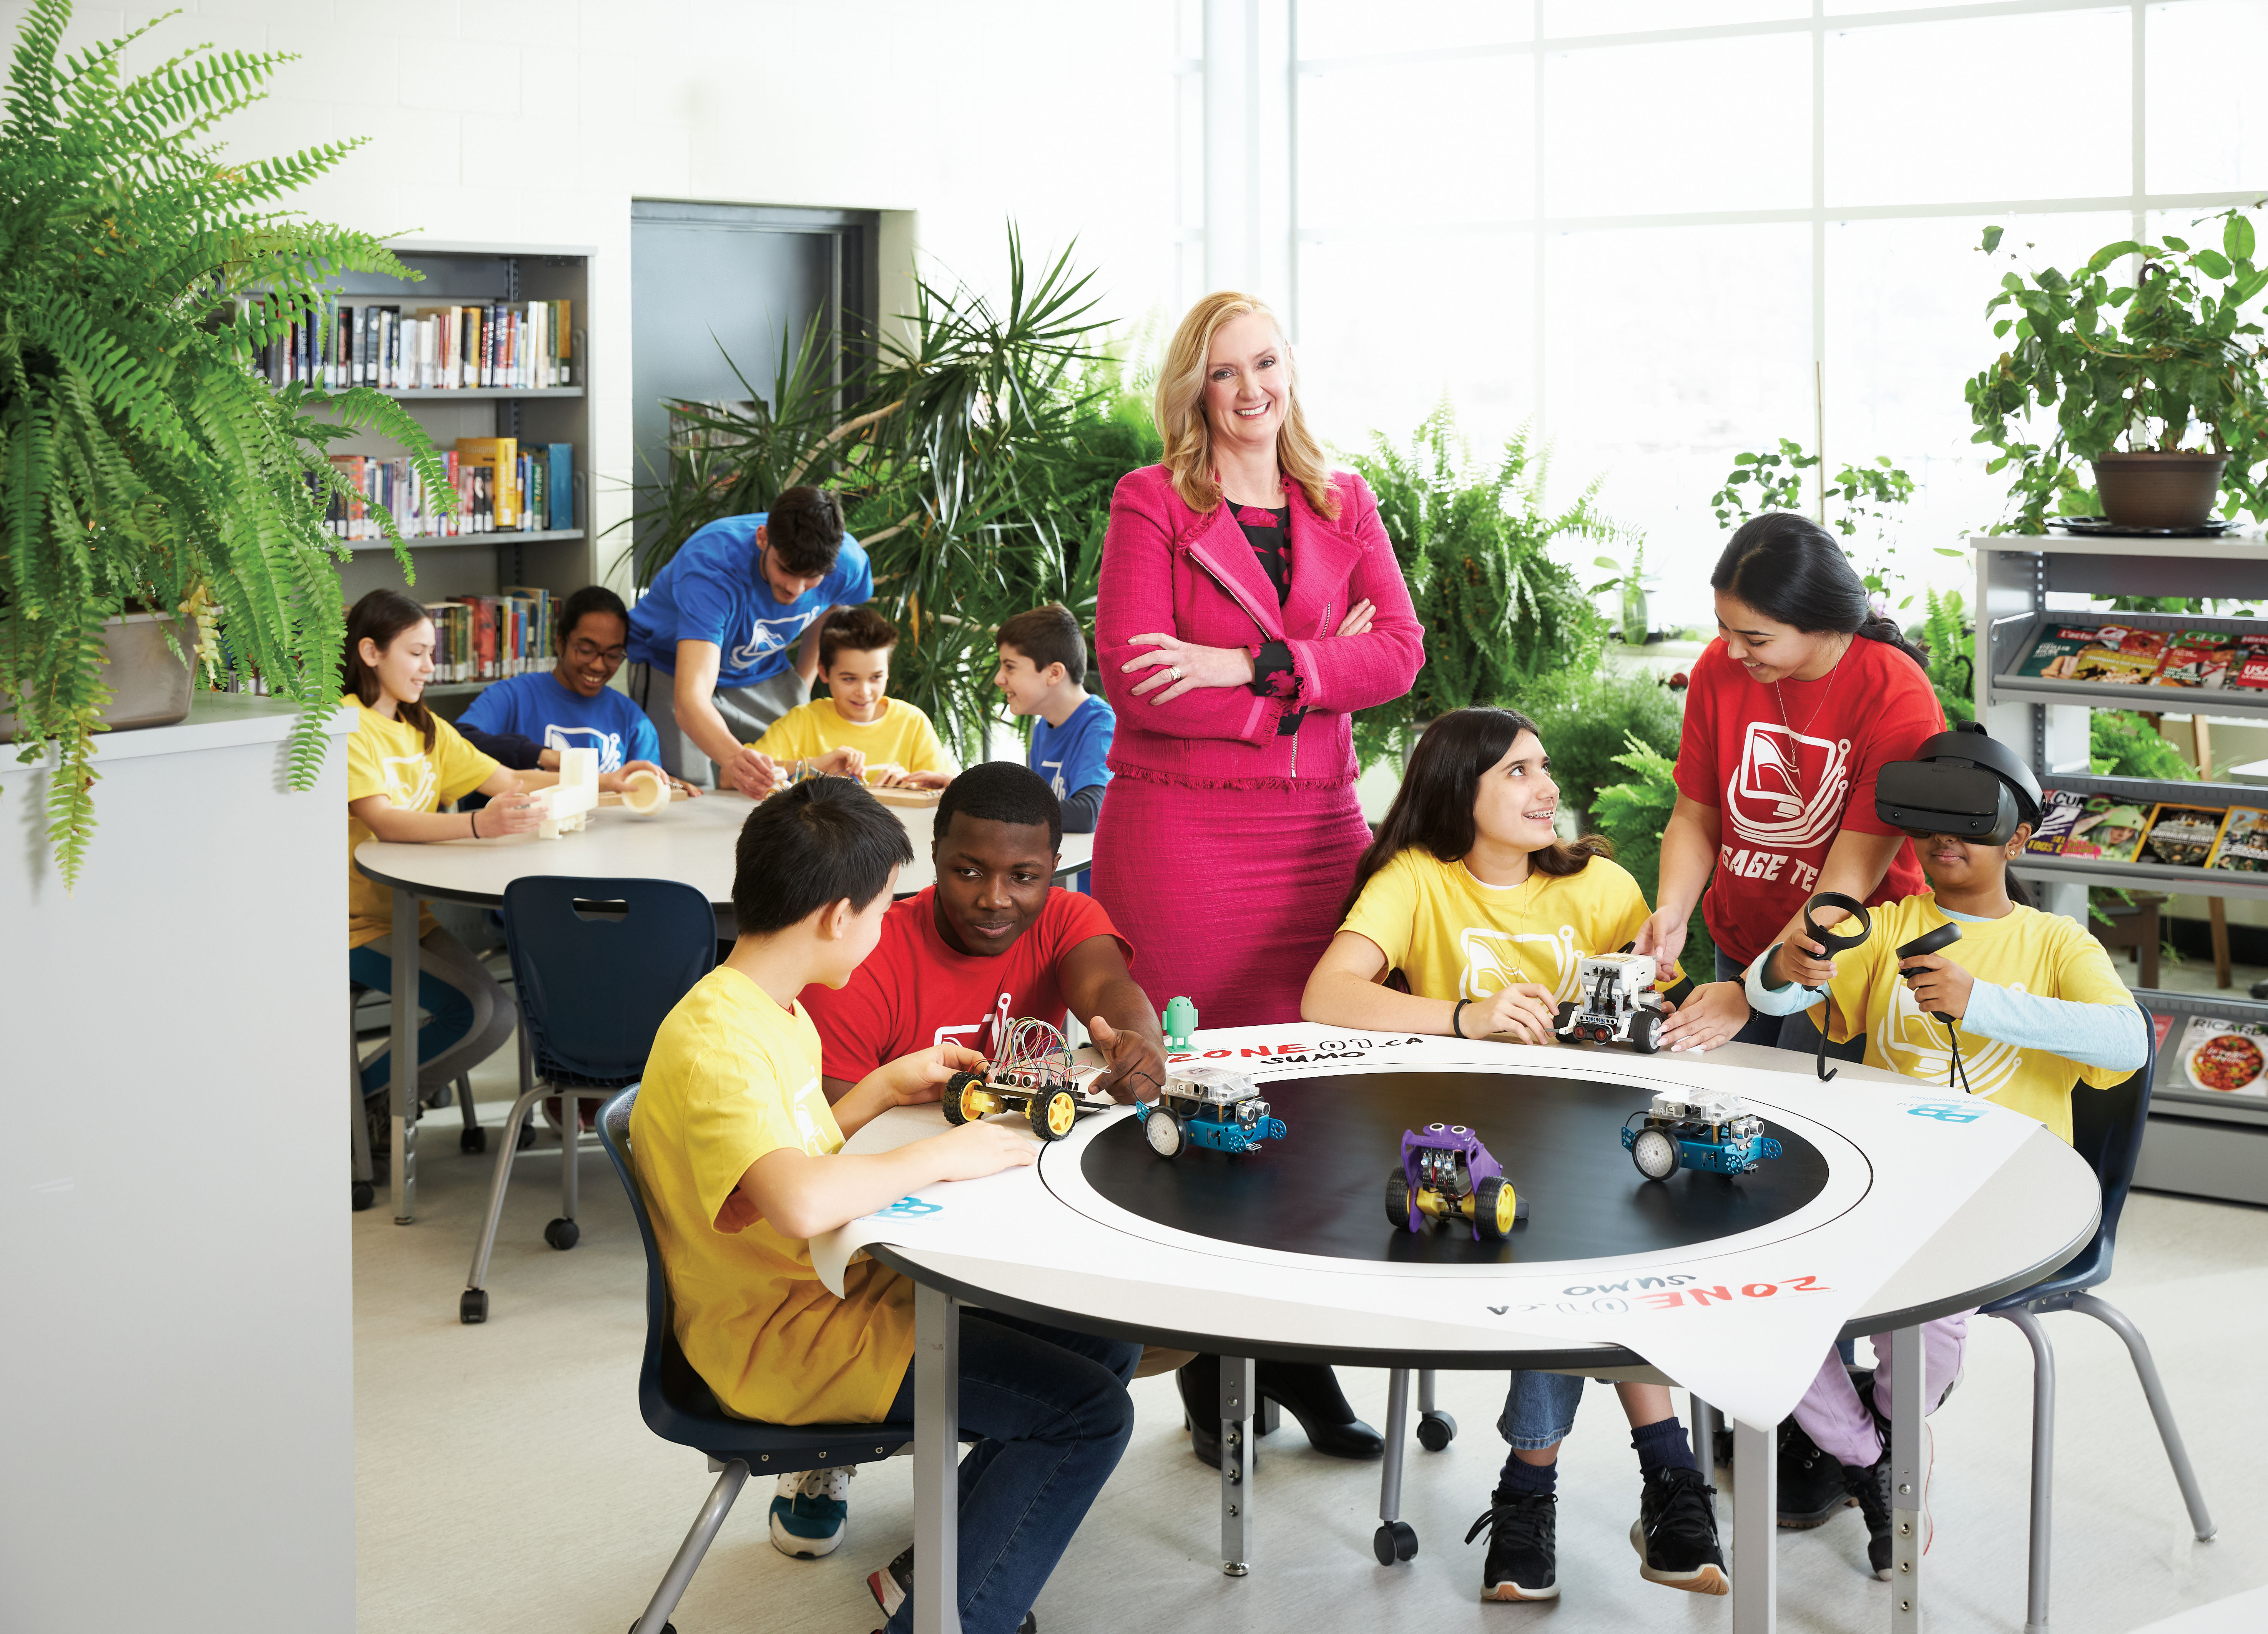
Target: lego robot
[[1032, 1074], [1703, 1129], [1617, 1005], [1208, 1107], [1446, 1174]]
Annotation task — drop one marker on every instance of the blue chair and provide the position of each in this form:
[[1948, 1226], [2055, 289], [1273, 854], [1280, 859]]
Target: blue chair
[[599, 964], [679, 1407], [2106, 1129]]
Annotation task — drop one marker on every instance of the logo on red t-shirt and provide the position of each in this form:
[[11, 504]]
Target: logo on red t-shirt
[[982, 1036], [1766, 803]]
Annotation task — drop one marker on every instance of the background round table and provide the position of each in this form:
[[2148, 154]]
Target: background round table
[[688, 840], [2040, 1208]]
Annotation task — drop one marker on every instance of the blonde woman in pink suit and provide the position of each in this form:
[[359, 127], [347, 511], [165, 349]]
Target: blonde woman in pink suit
[[1250, 602]]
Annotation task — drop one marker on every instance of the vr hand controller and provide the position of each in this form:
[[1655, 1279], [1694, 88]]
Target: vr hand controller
[[1945, 936], [1837, 943]]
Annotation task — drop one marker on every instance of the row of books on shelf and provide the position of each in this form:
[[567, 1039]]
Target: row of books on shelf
[[2117, 655], [492, 637], [500, 483], [2103, 827], [2228, 1057], [511, 345]]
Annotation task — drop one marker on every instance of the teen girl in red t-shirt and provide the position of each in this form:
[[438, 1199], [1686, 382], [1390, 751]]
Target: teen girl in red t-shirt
[[1805, 695]]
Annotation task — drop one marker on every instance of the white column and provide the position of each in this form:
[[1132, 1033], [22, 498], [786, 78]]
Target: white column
[[1249, 214]]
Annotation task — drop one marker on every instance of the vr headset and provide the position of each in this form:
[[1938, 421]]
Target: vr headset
[[1962, 783]]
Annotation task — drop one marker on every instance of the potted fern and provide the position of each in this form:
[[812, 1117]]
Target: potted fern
[[2161, 386], [148, 473]]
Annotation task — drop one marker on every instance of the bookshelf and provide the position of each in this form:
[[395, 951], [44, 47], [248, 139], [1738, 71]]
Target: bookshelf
[[559, 560], [2196, 1144]]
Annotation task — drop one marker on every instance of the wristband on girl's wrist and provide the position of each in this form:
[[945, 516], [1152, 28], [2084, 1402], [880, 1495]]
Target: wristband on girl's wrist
[[1457, 1018], [473, 817]]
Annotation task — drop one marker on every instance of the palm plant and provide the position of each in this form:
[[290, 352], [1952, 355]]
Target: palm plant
[[142, 461], [1499, 611], [968, 455]]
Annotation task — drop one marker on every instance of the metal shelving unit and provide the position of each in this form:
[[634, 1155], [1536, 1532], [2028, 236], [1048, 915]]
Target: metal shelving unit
[[2207, 1146], [443, 541]]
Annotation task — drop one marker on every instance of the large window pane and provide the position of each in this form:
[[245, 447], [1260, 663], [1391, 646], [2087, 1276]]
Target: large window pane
[[1431, 142], [1366, 28], [1992, 107], [2208, 128], [1906, 329], [1669, 351], [1389, 325], [1569, 19], [1650, 130]]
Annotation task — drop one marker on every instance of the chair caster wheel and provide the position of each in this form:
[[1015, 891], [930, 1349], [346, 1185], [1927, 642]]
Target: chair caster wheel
[[473, 1305], [562, 1233], [1394, 1542], [666, 1628], [364, 1194], [1436, 1429], [526, 1136], [471, 1140]]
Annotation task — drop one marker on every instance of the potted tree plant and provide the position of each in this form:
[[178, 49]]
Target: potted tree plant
[[2157, 383], [148, 472]]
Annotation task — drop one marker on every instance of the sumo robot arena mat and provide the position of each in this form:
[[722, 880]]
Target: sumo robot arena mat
[[1322, 1191]]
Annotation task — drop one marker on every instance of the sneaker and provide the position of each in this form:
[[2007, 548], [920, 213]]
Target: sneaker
[[810, 1511], [1676, 1533], [1523, 1554], [1870, 1486], [894, 1583], [1928, 1457], [1811, 1485]]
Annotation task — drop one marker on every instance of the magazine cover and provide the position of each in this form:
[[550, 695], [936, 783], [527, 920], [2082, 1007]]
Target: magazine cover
[[2120, 657], [2181, 836], [2055, 655], [2249, 669], [2227, 1057], [2243, 845], [2196, 657], [2106, 831], [2059, 812]]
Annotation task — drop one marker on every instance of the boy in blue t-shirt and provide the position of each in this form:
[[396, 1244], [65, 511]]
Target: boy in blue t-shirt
[[525, 721], [713, 643], [1042, 664]]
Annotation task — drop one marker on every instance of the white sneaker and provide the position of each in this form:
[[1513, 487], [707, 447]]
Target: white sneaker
[[811, 1511]]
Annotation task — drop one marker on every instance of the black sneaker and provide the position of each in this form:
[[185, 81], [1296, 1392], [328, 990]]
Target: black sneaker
[[891, 1586], [1676, 1533], [1523, 1554], [1811, 1485], [1870, 1486]]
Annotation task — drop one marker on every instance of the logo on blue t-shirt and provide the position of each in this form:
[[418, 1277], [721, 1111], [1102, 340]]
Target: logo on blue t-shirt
[[1072, 756], [608, 744]]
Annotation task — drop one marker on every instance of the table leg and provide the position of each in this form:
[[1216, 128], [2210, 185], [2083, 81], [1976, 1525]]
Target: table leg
[[1756, 1523], [404, 1143], [1909, 1479], [1237, 1389], [937, 1464]]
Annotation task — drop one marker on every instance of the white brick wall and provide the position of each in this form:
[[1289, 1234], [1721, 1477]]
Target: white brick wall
[[539, 121]]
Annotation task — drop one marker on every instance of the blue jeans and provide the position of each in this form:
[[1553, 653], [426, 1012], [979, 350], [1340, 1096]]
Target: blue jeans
[[1539, 1410], [468, 1016], [1053, 1409]]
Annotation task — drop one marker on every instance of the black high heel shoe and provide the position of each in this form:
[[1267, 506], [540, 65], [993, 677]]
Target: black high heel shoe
[[1307, 1390]]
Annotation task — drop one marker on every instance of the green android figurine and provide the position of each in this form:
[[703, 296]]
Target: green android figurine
[[1181, 1022]]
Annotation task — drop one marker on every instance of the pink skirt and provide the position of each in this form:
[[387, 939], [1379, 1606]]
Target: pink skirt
[[1228, 895]]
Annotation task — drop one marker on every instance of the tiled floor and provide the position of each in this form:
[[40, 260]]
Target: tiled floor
[[506, 1483]]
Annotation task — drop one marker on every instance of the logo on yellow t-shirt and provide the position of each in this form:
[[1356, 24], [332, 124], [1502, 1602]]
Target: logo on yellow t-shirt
[[408, 789], [1917, 1044], [816, 1143], [1490, 967]]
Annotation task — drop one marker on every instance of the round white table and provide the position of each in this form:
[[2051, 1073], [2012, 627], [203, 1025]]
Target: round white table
[[688, 841], [1173, 1276]]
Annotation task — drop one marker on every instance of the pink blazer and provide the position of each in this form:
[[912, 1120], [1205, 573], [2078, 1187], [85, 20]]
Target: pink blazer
[[1169, 569]]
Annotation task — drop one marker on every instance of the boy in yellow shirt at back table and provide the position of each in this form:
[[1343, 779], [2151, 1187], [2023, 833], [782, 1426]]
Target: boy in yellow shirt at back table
[[858, 730], [739, 1157]]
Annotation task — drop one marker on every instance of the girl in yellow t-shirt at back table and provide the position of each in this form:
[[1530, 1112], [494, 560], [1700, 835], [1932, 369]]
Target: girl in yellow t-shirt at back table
[[1488, 914], [403, 763]]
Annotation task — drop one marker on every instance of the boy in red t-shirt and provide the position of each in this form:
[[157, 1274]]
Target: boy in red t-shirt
[[990, 941]]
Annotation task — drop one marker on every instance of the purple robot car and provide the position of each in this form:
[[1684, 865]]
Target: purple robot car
[[1446, 1174]]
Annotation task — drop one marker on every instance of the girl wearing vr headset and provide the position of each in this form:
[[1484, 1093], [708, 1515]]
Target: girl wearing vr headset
[[1488, 914], [2024, 1003]]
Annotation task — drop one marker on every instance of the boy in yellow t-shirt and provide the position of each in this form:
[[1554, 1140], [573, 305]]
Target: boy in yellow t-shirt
[[858, 730], [740, 1158], [1470, 893], [2038, 1008]]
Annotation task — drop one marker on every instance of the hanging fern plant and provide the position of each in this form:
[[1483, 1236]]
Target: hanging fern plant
[[143, 460]]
